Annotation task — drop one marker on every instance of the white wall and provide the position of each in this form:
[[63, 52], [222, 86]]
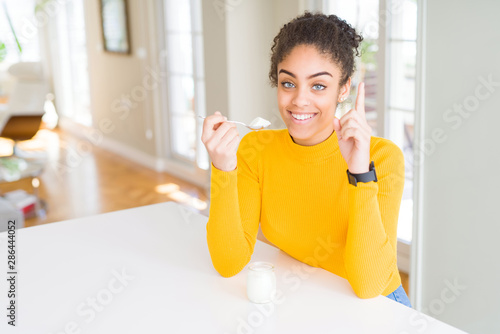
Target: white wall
[[461, 220], [214, 50], [249, 33]]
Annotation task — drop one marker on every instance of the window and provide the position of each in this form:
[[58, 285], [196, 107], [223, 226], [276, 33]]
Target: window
[[186, 83], [362, 15], [390, 39], [402, 52], [70, 65], [22, 16]]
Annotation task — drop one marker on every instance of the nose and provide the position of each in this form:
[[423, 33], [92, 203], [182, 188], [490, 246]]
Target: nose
[[301, 98]]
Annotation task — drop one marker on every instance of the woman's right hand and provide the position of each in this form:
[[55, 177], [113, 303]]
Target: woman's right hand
[[221, 140]]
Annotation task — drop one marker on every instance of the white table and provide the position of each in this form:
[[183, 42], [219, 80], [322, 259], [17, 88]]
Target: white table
[[172, 287]]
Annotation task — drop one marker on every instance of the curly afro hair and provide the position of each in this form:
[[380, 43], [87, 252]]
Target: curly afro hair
[[330, 35]]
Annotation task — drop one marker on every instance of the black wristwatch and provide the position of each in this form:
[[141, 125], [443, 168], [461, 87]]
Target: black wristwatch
[[363, 177]]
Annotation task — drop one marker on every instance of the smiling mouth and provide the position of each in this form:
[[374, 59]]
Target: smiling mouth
[[302, 117]]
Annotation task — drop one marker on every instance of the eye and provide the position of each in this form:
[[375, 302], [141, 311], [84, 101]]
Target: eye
[[319, 87], [287, 84]]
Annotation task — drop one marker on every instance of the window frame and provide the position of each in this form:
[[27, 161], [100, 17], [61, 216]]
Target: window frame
[[197, 76], [383, 107]]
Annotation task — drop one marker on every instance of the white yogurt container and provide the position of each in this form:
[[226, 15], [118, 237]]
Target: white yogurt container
[[261, 282], [259, 122]]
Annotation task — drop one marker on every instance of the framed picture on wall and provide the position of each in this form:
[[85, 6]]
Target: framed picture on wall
[[115, 30]]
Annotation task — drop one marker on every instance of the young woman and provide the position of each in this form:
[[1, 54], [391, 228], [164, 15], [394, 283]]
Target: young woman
[[324, 190]]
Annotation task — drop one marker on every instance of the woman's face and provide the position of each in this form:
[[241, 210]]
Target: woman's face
[[308, 92]]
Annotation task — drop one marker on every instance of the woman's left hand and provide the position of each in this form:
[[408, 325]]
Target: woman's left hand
[[353, 134]]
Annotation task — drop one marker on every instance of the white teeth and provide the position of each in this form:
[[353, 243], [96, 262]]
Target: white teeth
[[302, 117]]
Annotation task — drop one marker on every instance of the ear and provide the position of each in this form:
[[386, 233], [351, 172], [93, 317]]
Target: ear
[[344, 90]]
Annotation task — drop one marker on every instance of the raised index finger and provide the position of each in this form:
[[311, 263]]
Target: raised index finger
[[360, 98]]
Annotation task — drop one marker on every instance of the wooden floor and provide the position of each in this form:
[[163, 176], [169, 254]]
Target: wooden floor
[[405, 280], [82, 180]]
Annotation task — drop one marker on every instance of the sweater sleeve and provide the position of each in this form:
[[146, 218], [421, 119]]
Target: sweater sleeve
[[234, 215], [370, 256]]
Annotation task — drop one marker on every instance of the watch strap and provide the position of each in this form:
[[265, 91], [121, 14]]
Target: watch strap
[[369, 176]]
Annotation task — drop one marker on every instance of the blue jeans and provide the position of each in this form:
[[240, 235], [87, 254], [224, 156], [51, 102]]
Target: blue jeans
[[400, 296]]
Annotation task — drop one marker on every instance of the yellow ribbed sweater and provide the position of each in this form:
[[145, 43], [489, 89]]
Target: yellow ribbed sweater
[[306, 207]]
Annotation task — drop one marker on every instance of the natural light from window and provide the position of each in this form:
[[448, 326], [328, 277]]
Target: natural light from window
[[397, 111]]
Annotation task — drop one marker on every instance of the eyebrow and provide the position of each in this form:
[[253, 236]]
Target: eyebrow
[[309, 77]]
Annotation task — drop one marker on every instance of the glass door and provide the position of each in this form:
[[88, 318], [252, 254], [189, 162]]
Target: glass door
[[185, 81]]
